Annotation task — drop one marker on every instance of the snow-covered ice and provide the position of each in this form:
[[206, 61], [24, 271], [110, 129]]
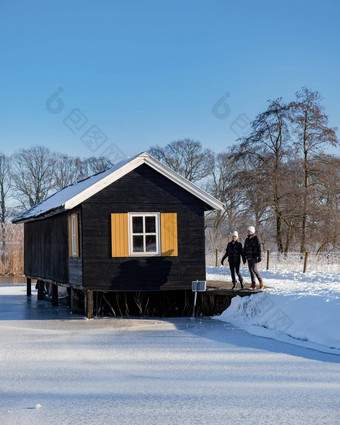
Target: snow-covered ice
[[156, 371], [299, 308]]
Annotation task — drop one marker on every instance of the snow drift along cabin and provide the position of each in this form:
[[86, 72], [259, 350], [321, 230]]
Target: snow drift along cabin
[[138, 226]]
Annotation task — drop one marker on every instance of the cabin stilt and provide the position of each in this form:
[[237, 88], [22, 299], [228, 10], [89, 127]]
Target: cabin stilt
[[41, 294], [74, 300], [29, 289], [89, 304], [55, 295]]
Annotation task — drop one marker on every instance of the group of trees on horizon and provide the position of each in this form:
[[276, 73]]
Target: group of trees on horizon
[[279, 177], [28, 177]]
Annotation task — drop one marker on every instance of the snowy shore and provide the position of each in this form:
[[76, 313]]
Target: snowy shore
[[298, 308]]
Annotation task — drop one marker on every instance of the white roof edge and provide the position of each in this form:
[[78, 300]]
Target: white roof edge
[[144, 158], [104, 182]]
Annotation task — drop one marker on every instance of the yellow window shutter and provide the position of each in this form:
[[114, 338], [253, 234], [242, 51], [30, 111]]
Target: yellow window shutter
[[119, 235], [169, 234]]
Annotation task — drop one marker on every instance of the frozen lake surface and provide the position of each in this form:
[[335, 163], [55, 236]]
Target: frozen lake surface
[[166, 371]]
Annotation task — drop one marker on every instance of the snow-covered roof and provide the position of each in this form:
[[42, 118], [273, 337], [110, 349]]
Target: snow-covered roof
[[73, 195]]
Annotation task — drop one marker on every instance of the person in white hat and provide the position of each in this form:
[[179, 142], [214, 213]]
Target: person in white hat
[[252, 253], [234, 252]]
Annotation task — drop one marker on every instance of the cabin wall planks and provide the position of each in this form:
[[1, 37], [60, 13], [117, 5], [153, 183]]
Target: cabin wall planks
[[143, 190], [46, 248], [182, 259]]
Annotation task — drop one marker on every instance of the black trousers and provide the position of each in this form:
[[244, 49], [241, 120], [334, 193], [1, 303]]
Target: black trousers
[[234, 265], [252, 266]]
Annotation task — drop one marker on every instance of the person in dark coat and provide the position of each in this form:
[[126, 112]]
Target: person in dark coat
[[234, 253], [252, 254]]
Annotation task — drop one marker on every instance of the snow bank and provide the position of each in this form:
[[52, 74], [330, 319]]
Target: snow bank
[[299, 308], [308, 321]]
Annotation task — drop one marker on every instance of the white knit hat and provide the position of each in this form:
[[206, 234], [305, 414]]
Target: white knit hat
[[235, 234], [251, 229]]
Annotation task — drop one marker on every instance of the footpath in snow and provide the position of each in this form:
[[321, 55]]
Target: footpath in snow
[[298, 308]]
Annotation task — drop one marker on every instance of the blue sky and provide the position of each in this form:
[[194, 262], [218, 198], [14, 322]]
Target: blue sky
[[140, 73]]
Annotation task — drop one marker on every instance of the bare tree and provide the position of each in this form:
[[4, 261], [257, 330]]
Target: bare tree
[[269, 142], [325, 217], [94, 165], [252, 183], [312, 135], [223, 185], [32, 175], [5, 185], [187, 157], [65, 170], [68, 170]]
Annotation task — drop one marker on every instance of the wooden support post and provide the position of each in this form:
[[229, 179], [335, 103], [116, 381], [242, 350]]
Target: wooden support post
[[268, 257], [41, 292], [55, 295], [29, 287], [74, 300], [305, 262], [216, 259], [89, 304]]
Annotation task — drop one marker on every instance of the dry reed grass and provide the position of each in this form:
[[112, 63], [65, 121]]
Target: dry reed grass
[[12, 256]]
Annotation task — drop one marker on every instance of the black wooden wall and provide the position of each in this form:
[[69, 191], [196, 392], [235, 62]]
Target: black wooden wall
[[46, 248], [143, 190]]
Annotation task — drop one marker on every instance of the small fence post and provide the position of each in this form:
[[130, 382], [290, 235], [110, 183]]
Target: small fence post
[[216, 259], [268, 256], [305, 261]]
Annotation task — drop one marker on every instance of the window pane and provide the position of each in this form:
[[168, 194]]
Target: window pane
[[74, 251], [73, 224], [150, 224], [138, 244], [137, 224], [150, 241]]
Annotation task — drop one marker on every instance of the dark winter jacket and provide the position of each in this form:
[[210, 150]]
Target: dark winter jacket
[[252, 248], [233, 251]]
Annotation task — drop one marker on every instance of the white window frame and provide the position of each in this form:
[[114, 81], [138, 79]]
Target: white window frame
[[73, 235], [157, 215]]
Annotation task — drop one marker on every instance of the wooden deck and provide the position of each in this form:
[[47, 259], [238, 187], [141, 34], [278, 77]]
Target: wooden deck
[[219, 294], [222, 287]]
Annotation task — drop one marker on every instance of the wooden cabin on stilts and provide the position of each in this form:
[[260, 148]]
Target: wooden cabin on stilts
[[125, 234]]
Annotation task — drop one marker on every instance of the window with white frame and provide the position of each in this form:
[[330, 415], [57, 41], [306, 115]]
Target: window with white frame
[[144, 234]]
